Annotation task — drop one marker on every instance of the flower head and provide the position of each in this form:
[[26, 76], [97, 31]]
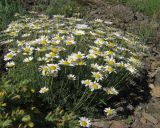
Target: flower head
[[94, 86], [71, 77], [109, 111], [111, 91], [10, 64], [86, 82], [85, 122], [28, 59], [97, 75], [43, 90], [9, 56]]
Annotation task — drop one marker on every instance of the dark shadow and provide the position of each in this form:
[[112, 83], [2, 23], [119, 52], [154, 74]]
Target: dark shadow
[[132, 96]]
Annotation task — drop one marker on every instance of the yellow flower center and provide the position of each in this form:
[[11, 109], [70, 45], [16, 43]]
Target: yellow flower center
[[54, 50], [84, 123], [53, 54], [80, 63], [65, 63], [110, 52], [97, 76], [9, 55], [27, 50], [12, 33], [110, 112], [95, 86], [44, 42], [68, 42], [42, 49], [79, 56], [110, 69], [111, 62], [59, 38], [52, 67], [45, 69], [36, 26], [87, 82]]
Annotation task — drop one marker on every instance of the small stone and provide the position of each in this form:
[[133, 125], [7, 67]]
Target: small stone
[[136, 123], [157, 126], [147, 126], [118, 124], [157, 79], [150, 118], [155, 91], [124, 13], [139, 16], [101, 124], [143, 120]]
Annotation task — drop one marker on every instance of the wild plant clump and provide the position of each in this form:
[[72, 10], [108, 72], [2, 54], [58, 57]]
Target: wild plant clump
[[73, 64]]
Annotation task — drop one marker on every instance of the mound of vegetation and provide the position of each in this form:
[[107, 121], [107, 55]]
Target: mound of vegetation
[[61, 69]]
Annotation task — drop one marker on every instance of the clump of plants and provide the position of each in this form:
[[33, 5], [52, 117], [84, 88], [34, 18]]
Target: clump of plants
[[72, 64]]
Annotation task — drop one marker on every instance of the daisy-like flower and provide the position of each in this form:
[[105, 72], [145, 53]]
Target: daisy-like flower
[[111, 91], [108, 69], [91, 56], [99, 41], [52, 55], [85, 122], [97, 75], [80, 55], [76, 59], [40, 59], [71, 77], [45, 70], [96, 66], [70, 41], [28, 50], [94, 86], [43, 90], [10, 64], [111, 61], [109, 112], [86, 82], [28, 59], [130, 68], [44, 40], [79, 32], [53, 67], [95, 51], [63, 62], [58, 38], [9, 56], [82, 26]]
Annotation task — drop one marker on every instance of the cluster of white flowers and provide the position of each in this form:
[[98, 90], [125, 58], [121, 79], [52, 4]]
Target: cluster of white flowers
[[63, 43]]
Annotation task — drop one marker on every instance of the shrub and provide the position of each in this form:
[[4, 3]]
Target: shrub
[[72, 64]]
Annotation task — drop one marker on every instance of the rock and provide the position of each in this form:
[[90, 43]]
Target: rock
[[139, 16], [155, 91], [101, 124], [150, 118], [147, 126], [136, 123], [154, 108], [118, 124], [124, 13], [92, 2], [155, 64], [157, 126], [143, 120], [157, 79]]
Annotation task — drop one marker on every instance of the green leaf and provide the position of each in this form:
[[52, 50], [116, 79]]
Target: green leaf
[[31, 124], [26, 118]]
